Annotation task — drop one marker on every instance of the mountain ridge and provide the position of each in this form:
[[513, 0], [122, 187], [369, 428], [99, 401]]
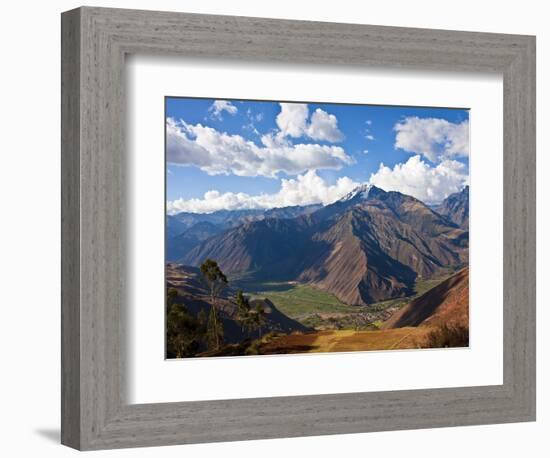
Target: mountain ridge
[[446, 303], [456, 208], [369, 246], [233, 218]]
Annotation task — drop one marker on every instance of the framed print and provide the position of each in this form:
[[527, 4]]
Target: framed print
[[314, 266], [336, 220], [478, 363]]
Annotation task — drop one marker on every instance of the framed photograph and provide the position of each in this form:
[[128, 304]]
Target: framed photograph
[[317, 261], [285, 228]]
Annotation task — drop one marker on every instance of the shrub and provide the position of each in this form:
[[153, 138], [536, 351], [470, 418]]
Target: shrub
[[271, 335], [447, 336], [183, 332], [254, 348]]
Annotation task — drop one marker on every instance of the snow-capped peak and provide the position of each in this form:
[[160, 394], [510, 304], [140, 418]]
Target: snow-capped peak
[[361, 192]]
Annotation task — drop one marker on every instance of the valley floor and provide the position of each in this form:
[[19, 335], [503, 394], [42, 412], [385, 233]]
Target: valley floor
[[323, 311]]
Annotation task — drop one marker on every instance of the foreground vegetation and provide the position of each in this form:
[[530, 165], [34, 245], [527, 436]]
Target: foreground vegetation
[[188, 334], [334, 326], [349, 340]]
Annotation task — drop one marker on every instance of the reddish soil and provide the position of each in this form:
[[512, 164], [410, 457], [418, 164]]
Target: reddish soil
[[447, 303]]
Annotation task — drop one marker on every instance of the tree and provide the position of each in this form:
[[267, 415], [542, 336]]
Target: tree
[[243, 309], [171, 296], [214, 276], [217, 281], [183, 333], [214, 330], [260, 318], [202, 318], [249, 318]]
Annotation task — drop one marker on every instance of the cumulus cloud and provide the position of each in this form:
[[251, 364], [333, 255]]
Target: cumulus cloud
[[293, 122], [436, 139], [220, 153], [418, 179], [324, 126], [219, 106], [308, 188], [369, 137]]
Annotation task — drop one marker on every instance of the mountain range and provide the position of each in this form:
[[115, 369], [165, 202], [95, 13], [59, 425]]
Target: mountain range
[[185, 230], [369, 246], [456, 208], [232, 218]]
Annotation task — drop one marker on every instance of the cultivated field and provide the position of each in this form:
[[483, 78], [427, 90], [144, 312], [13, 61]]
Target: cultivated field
[[295, 300], [322, 311]]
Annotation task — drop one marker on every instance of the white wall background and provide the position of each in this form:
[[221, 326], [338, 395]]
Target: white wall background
[[29, 232]]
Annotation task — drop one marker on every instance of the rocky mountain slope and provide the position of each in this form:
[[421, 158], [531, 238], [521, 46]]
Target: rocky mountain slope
[[369, 246], [456, 208], [447, 303], [184, 231], [179, 245], [226, 219]]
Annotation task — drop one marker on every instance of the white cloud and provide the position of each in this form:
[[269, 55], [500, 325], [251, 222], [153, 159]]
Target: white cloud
[[368, 122], [369, 137], [418, 179], [219, 153], [219, 106], [414, 177], [251, 128], [180, 149], [252, 119], [293, 122], [365, 151], [324, 126], [436, 139], [305, 189]]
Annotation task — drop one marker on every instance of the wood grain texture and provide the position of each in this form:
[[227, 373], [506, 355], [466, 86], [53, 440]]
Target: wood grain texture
[[95, 412], [70, 229]]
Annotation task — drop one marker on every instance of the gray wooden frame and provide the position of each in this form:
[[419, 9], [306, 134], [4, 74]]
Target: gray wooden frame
[[95, 413]]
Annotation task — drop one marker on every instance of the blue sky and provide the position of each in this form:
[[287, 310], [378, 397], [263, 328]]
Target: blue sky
[[230, 153]]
